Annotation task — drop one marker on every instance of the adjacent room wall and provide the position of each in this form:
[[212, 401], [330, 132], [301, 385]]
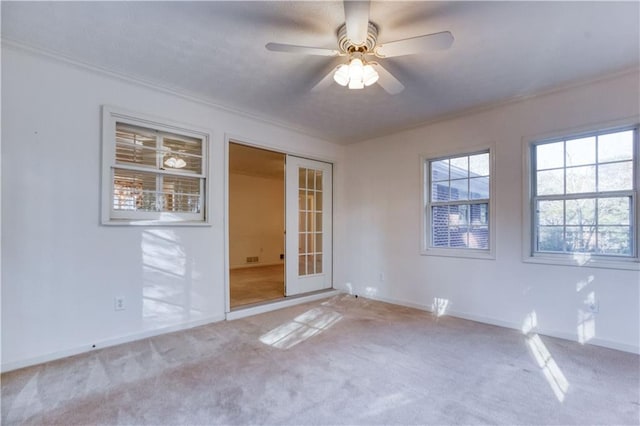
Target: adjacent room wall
[[256, 220], [61, 268], [384, 223]]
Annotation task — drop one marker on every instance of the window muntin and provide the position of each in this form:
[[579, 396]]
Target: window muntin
[[153, 172], [584, 194], [458, 202]]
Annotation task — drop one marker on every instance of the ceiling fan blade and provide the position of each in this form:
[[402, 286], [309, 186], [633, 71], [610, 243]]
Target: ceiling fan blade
[[305, 50], [387, 81], [325, 82], [356, 17], [419, 44]]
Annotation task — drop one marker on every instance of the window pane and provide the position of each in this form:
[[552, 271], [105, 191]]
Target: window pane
[[614, 211], [302, 178], [311, 200], [581, 151], [550, 182], [439, 170], [615, 176], [440, 191], [310, 243], [458, 237], [479, 214], [302, 200], [459, 168], [581, 212], [180, 194], [318, 263], [549, 155], [440, 224], [479, 165], [302, 242], [581, 179], [318, 248], [614, 240], [479, 237], [551, 212], [479, 188], [615, 146], [460, 189], [580, 239], [311, 179], [134, 191], [136, 145], [551, 238], [319, 180], [302, 265], [319, 201], [310, 264], [318, 222], [459, 215], [185, 153]]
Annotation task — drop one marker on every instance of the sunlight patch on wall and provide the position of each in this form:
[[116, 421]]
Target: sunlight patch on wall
[[370, 292], [439, 306], [581, 259], [301, 328], [583, 283], [166, 292]]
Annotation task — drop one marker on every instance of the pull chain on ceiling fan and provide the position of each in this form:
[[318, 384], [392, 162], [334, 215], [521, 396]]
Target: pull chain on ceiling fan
[[358, 41]]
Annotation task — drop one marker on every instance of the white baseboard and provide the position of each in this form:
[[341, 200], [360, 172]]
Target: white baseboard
[[268, 307], [494, 321], [9, 366]]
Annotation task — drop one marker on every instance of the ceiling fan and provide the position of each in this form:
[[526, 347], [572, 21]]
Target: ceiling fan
[[358, 42]]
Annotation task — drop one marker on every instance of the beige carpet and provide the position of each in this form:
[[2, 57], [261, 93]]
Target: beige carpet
[[338, 361]]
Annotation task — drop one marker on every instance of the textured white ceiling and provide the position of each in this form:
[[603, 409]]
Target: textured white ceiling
[[215, 50]]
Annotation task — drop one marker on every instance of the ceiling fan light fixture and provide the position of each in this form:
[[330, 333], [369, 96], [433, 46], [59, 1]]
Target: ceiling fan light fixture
[[341, 76], [369, 76], [356, 69], [356, 84]]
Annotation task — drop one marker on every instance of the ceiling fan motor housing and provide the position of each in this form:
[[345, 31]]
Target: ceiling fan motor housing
[[347, 46]]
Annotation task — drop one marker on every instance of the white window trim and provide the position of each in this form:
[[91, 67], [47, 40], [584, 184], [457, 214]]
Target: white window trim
[[576, 259], [425, 228], [111, 115]]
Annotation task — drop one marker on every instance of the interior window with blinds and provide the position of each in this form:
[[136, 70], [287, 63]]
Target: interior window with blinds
[[155, 174]]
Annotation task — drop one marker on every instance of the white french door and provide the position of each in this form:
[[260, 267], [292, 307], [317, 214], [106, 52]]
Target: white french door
[[309, 225]]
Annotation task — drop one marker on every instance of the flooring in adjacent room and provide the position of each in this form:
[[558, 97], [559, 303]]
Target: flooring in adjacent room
[[256, 284], [335, 361]]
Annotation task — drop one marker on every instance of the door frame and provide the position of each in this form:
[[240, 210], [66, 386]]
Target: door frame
[[241, 140]]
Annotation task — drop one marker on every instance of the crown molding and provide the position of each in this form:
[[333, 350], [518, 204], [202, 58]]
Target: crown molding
[[506, 102], [157, 86]]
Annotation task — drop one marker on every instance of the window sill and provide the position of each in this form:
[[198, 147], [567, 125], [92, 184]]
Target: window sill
[[151, 222], [460, 253], [584, 261]]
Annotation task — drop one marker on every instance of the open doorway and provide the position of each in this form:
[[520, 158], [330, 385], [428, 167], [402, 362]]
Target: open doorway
[[256, 225]]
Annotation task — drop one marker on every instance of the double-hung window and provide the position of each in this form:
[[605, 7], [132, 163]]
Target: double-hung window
[[152, 172], [584, 196], [458, 205]]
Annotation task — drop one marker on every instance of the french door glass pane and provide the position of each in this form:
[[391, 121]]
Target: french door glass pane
[[310, 221]]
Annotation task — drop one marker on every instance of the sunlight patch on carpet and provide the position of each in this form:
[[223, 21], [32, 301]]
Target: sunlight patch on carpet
[[301, 328], [550, 369]]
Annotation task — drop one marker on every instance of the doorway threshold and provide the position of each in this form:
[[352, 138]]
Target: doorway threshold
[[249, 310]]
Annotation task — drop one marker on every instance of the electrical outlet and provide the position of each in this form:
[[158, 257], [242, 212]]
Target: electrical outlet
[[381, 276], [118, 304]]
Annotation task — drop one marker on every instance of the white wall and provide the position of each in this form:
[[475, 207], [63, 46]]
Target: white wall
[[61, 269], [384, 223], [256, 219]]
